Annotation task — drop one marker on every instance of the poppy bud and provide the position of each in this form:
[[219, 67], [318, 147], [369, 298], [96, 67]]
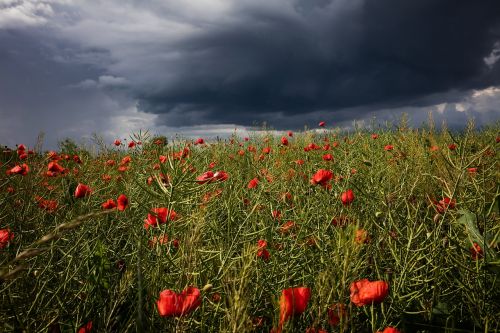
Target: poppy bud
[[347, 197]]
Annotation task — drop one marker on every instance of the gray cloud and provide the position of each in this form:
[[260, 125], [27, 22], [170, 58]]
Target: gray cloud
[[116, 65]]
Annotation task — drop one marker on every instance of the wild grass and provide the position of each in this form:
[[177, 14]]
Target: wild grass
[[80, 263]]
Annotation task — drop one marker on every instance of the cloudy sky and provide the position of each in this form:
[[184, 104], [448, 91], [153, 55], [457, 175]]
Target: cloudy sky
[[205, 67]]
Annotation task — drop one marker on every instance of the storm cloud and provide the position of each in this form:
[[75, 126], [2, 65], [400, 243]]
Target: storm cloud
[[71, 67]]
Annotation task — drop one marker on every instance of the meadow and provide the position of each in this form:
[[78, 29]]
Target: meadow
[[387, 230]]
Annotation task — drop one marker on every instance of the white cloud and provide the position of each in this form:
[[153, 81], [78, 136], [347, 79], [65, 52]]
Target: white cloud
[[493, 57], [16, 14]]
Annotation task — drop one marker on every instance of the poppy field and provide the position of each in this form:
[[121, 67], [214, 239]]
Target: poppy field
[[388, 230]]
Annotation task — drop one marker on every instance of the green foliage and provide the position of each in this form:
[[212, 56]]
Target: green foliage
[[85, 264]]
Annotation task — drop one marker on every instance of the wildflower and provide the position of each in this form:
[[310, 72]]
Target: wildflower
[[293, 301], [327, 157], [131, 144], [199, 141], [475, 251], [117, 142], [87, 328], [263, 254], [374, 136], [5, 237], [362, 237], [322, 177], [82, 191], [444, 204], [284, 141], [122, 202], [171, 304], [336, 313], [159, 216], [55, 167], [321, 124], [388, 147], [287, 227], [347, 197], [253, 183], [266, 150], [472, 171], [276, 214], [452, 146], [19, 170], [365, 292], [205, 177], [290, 133], [389, 330], [109, 204]]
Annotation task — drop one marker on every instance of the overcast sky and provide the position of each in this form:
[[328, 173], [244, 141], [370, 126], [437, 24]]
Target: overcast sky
[[205, 67]]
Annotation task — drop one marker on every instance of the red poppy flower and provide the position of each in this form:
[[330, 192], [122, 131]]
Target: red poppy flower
[[253, 183], [290, 133], [444, 204], [126, 160], [199, 141], [293, 301], [117, 142], [328, 157], [55, 167], [388, 147], [321, 124], [347, 197], [131, 144], [159, 216], [122, 202], [389, 330], [299, 162], [82, 191], [472, 171], [365, 292], [77, 159], [475, 251], [263, 254], [205, 177], [452, 146], [87, 328], [336, 313], [5, 237], [362, 236], [322, 177], [109, 204], [284, 141], [19, 170], [374, 136], [287, 227], [171, 304], [276, 214], [266, 150]]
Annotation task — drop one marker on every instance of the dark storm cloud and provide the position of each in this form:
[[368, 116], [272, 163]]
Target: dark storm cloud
[[73, 67], [36, 93], [328, 55]]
